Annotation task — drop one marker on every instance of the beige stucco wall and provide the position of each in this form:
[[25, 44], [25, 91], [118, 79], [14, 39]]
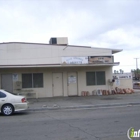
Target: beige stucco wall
[[124, 83], [20, 54], [124, 80], [82, 79], [34, 54], [46, 91]]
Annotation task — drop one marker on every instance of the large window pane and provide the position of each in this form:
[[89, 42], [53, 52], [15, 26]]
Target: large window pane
[[90, 77], [26, 80], [37, 80], [100, 77]]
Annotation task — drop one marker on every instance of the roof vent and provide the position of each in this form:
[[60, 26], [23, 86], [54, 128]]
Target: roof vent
[[59, 40]]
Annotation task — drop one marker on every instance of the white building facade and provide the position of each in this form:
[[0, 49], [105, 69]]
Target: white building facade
[[55, 69]]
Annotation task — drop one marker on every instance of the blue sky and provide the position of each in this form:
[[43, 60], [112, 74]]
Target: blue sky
[[97, 23]]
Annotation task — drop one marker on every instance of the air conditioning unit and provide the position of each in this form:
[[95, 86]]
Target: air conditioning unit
[[59, 41], [18, 85]]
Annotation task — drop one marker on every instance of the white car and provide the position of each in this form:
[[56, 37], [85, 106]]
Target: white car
[[10, 103]]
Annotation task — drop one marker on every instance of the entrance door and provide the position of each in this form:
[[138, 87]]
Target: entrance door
[[72, 84], [57, 84], [7, 82]]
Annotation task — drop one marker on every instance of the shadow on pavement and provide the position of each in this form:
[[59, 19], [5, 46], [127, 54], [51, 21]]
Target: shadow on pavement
[[16, 114]]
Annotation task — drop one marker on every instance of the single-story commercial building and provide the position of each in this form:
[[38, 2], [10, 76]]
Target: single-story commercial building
[[55, 69]]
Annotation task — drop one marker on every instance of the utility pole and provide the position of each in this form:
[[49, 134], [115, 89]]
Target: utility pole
[[136, 66], [136, 63]]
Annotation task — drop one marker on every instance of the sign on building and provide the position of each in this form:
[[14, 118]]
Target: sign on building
[[15, 77], [87, 60], [74, 60], [72, 79], [122, 76], [100, 59]]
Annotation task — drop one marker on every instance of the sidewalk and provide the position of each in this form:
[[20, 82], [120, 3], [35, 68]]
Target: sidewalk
[[83, 102]]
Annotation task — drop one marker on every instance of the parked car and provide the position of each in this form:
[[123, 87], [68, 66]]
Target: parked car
[[136, 85], [10, 103]]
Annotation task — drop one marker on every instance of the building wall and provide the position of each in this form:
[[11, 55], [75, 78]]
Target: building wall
[[123, 83], [123, 80], [20, 54], [47, 90]]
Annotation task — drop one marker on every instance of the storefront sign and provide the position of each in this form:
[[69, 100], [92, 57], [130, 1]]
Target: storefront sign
[[122, 76], [72, 79], [74, 60], [15, 77], [100, 59], [117, 82]]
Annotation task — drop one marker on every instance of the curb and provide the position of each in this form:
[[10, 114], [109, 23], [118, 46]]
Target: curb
[[83, 106]]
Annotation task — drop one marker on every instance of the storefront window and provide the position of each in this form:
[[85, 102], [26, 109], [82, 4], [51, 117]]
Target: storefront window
[[95, 78], [32, 80]]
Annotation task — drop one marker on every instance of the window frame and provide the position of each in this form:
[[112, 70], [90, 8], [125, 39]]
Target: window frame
[[95, 78], [32, 80], [94, 81], [24, 86]]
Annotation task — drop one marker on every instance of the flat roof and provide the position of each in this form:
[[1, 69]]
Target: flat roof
[[113, 50]]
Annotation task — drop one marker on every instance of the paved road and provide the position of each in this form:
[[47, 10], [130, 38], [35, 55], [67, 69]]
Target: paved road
[[73, 124]]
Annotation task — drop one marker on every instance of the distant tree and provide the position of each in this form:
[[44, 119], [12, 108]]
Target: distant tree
[[121, 71], [136, 72], [118, 71]]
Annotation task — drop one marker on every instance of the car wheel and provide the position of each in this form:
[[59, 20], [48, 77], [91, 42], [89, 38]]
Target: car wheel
[[7, 110]]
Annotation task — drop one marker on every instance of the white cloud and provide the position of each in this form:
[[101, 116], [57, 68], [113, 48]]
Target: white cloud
[[127, 38], [100, 23]]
